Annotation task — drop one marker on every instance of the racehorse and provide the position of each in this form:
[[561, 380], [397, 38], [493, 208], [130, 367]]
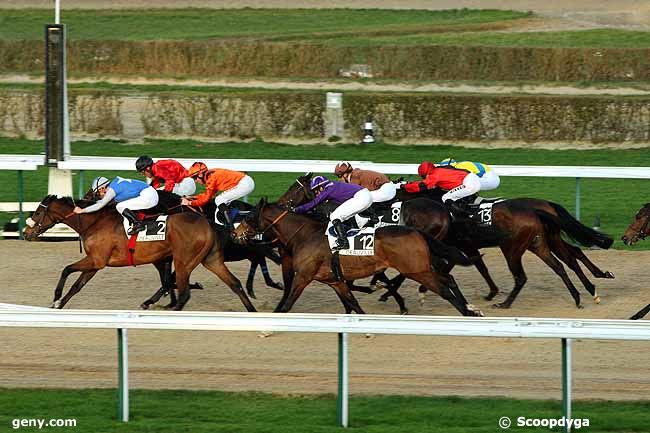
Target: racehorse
[[638, 230], [171, 203], [189, 239], [403, 248], [518, 225]]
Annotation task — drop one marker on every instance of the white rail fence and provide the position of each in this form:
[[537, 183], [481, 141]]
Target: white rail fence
[[22, 163], [342, 325]]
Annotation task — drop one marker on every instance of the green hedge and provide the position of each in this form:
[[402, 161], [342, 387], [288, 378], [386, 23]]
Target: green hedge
[[220, 59], [279, 115]]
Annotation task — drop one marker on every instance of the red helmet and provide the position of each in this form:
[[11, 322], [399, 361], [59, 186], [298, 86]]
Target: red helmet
[[342, 168], [197, 169], [425, 168]]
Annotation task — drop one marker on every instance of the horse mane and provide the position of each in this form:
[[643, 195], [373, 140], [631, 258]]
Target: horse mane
[[70, 201]]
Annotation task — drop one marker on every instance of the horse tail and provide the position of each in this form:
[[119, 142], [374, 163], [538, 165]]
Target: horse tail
[[579, 232], [449, 253]]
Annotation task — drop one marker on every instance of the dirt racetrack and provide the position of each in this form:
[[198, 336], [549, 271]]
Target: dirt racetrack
[[306, 363]]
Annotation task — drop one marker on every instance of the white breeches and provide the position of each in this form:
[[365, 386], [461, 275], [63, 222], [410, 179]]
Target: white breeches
[[489, 181], [185, 187], [147, 199], [359, 202], [242, 189], [386, 192], [471, 185]]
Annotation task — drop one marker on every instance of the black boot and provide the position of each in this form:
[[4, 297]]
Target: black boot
[[374, 219], [136, 224], [457, 209], [227, 223], [341, 236]]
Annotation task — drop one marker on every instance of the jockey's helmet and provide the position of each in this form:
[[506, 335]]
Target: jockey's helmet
[[197, 169], [342, 168], [143, 163], [98, 182], [318, 181], [447, 161], [425, 168]]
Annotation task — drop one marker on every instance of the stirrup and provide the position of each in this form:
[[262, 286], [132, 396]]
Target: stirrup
[[341, 246], [135, 229]]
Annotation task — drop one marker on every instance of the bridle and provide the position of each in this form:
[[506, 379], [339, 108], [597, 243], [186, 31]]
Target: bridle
[[273, 223], [40, 228]]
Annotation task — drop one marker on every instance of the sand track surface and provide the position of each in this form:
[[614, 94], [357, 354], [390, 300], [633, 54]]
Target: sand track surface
[[306, 363]]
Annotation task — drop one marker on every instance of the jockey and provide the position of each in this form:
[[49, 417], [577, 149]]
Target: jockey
[[351, 198], [488, 177], [458, 183], [167, 171], [129, 194], [380, 187], [233, 184]]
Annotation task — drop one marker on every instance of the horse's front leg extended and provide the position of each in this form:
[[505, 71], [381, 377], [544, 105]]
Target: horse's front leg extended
[[76, 287], [84, 264]]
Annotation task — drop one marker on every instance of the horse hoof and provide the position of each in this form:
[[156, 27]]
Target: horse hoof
[[609, 275], [501, 305], [277, 286], [379, 285], [252, 295], [169, 306], [196, 286], [144, 306], [404, 313], [421, 299], [580, 306], [56, 305], [597, 299], [265, 334]]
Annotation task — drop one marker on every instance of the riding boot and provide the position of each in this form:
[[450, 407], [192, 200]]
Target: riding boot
[[227, 222], [136, 224], [374, 219], [457, 209], [341, 236]]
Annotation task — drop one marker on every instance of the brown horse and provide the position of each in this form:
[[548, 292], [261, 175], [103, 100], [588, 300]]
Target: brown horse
[[403, 248], [189, 239], [638, 230], [518, 225]]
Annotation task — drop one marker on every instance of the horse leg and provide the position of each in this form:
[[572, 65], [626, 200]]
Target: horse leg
[[267, 276], [251, 276], [182, 285], [393, 286], [77, 286], [513, 259], [558, 247], [641, 313], [483, 270], [84, 264], [214, 263], [544, 253], [300, 281], [347, 298], [164, 271], [353, 287], [441, 286], [580, 255], [382, 278]]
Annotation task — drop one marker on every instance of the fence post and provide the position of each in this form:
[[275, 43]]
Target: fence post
[[578, 198], [123, 375], [21, 198], [343, 380], [566, 381]]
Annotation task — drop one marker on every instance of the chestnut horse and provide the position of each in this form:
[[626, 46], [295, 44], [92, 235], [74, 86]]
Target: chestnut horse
[[189, 239], [638, 230], [403, 248]]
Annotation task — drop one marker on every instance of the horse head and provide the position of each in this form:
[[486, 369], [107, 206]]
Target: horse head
[[249, 228], [640, 227], [52, 210], [298, 193]]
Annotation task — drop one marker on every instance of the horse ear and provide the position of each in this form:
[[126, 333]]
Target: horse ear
[[263, 202], [309, 174]]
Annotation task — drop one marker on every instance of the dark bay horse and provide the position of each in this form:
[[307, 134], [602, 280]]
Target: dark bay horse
[[190, 240], [638, 230], [403, 248], [519, 225]]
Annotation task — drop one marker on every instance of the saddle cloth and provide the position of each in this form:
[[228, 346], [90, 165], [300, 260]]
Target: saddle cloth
[[156, 229], [362, 241]]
